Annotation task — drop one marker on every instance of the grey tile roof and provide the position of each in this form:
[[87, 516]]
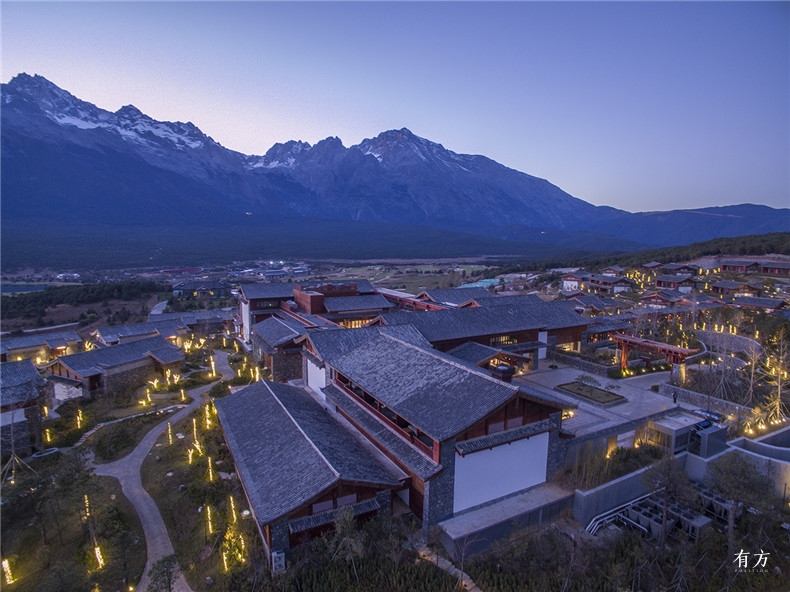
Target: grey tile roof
[[266, 291], [328, 517], [95, 361], [172, 327], [467, 323], [674, 279], [415, 461], [329, 345], [288, 449], [275, 331], [473, 352], [195, 317], [19, 382], [518, 299], [499, 438], [367, 302], [454, 296], [753, 301], [439, 395], [52, 340]]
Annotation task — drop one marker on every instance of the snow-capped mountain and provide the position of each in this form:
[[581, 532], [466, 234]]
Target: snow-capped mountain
[[66, 161]]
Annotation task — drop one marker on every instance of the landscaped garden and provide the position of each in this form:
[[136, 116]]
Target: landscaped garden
[[65, 530], [588, 388], [216, 540]]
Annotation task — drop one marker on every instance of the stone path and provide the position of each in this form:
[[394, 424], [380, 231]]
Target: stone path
[[427, 555], [127, 471]]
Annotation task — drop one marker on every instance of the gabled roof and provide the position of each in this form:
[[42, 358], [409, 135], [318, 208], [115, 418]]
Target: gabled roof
[[473, 352], [729, 284], [591, 301], [95, 361], [366, 302], [195, 317], [467, 323], [19, 382], [754, 302], [289, 450], [652, 264], [453, 296], [438, 395], [52, 340], [519, 299], [674, 279], [272, 290], [276, 331], [167, 328], [329, 345]]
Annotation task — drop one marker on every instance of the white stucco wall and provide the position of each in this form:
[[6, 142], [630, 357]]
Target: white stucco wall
[[490, 474], [316, 377]]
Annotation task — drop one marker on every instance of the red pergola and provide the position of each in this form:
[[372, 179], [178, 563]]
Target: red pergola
[[673, 353]]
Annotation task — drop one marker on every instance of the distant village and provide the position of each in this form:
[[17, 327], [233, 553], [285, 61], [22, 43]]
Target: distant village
[[475, 408]]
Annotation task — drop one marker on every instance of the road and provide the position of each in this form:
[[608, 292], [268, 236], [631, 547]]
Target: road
[[127, 471]]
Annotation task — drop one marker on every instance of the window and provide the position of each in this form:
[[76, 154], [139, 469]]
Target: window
[[323, 506], [503, 340], [346, 500], [496, 426]]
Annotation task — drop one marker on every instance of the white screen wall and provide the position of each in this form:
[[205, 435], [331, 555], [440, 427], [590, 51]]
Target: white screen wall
[[490, 474]]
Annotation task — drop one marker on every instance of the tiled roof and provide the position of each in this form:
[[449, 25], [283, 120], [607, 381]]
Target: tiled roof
[[517, 300], [466, 323], [18, 382], [288, 449], [371, 302], [454, 296], [51, 340], [273, 290], [171, 327], [473, 353], [323, 518], [728, 284], [276, 331], [94, 362], [674, 279], [490, 440], [195, 317], [415, 461], [433, 392], [329, 345], [753, 301]]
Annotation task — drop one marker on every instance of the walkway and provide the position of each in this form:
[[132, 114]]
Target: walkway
[[127, 471], [427, 555]]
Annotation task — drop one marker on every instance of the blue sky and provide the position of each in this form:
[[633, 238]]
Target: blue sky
[[636, 105]]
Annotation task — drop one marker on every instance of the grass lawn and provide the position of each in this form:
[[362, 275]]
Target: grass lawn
[[49, 540], [113, 441], [591, 393]]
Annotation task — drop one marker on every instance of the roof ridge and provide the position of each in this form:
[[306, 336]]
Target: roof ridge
[[298, 427], [442, 356]]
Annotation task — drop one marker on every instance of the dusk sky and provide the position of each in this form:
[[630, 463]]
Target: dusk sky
[[636, 105]]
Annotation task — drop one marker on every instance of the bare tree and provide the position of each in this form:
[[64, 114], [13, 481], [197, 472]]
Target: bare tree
[[670, 480]]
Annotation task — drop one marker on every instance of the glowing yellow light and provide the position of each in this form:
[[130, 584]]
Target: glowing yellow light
[[47, 436], [213, 368], [198, 448], [208, 420], [169, 433], [99, 558], [232, 510], [183, 395], [87, 505], [225, 561], [208, 520], [79, 418], [210, 471], [236, 346], [148, 395], [45, 411], [142, 402], [9, 578], [190, 452], [194, 430], [257, 374], [224, 342]]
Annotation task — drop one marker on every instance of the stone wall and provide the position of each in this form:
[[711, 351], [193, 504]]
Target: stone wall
[[702, 401], [129, 378], [439, 491], [286, 366], [589, 504]]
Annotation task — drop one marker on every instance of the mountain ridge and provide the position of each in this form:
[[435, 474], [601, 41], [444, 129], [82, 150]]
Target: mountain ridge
[[106, 168]]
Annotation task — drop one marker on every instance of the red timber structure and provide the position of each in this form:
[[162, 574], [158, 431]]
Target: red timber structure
[[674, 354]]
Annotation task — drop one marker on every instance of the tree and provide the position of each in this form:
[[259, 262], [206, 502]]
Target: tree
[[734, 477], [670, 480], [778, 363], [347, 542], [588, 381], [163, 574]]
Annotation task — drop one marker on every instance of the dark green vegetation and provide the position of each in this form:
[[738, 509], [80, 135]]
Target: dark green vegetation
[[113, 441], [243, 239], [35, 304], [591, 468], [622, 560], [748, 245], [50, 535]]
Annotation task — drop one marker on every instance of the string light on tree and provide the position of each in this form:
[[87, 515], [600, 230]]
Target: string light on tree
[[9, 577]]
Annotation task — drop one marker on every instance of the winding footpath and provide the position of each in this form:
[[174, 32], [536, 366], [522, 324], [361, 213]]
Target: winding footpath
[[127, 471]]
